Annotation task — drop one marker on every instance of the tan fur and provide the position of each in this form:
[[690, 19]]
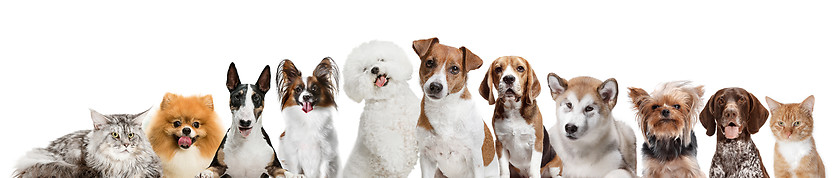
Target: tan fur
[[488, 151], [680, 167], [423, 122], [448, 57], [781, 123]]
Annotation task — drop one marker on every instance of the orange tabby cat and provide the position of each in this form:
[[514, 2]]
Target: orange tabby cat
[[796, 154]]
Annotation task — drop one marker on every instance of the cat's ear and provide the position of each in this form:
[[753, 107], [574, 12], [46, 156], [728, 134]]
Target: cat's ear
[[772, 104], [808, 104], [99, 120], [208, 101], [140, 117]]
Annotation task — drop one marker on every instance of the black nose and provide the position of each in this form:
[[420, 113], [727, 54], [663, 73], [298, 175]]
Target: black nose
[[666, 112], [186, 131], [508, 79], [571, 128], [435, 87], [374, 70], [306, 97], [244, 123]]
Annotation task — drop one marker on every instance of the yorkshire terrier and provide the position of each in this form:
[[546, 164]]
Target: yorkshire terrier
[[666, 118]]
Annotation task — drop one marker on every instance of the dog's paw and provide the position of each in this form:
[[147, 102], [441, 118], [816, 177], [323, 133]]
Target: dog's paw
[[288, 174], [205, 174]]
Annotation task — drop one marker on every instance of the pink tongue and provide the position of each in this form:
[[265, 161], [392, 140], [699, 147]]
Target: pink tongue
[[731, 132], [245, 132], [381, 81], [184, 141], [307, 106]]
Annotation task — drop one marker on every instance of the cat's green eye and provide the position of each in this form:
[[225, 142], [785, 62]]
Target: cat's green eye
[[130, 135], [115, 135], [781, 124], [796, 123]]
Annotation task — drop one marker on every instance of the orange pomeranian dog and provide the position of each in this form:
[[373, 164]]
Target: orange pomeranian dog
[[185, 134]]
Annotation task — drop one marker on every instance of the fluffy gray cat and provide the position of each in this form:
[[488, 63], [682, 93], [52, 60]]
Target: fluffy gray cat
[[116, 147]]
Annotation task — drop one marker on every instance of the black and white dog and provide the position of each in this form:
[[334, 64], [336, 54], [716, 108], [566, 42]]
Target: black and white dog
[[242, 154]]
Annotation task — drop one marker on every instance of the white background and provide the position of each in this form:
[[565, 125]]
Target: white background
[[61, 58]]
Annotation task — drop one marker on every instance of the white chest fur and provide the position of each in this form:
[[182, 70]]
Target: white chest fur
[[310, 140], [518, 139], [186, 163], [247, 157], [794, 151], [458, 136]]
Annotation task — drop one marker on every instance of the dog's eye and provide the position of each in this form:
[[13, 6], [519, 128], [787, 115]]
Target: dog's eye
[[781, 123], [364, 69], [654, 107], [381, 60], [520, 69], [720, 101], [569, 105], [255, 98], [115, 135], [588, 108], [742, 100], [195, 124], [454, 70], [796, 123], [298, 89], [498, 69], [430, 63], [177, 124], [676, 106]]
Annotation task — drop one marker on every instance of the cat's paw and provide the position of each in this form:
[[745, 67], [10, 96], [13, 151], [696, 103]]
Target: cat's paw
[[205, 174]]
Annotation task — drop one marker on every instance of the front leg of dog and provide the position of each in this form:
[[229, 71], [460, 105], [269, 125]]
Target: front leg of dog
[[619, 173], [427, 167], [324, 168], [534, 165], [504, 163], [478, 164], [206, 174]]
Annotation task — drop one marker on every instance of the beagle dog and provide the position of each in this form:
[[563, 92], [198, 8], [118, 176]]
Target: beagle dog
[[522, 143]]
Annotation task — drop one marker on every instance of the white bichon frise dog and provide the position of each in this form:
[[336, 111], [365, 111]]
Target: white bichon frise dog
[[377, 72]]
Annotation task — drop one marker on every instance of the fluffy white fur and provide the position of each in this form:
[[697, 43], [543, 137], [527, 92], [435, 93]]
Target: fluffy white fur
[[310, 145], [386, 145]]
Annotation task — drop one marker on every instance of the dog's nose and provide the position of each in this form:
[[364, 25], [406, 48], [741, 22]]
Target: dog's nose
[[508, 79], [306, 97], [435, 87], [374, 70], [186, 131], [666, 112], [730, 113], [244, 123], [571, 128]]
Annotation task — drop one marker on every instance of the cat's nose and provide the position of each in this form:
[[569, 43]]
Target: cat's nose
[[125, 144]]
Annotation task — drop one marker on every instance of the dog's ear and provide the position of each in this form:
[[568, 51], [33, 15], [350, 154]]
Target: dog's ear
[[327, 71], [264, 81], [471, 61], [487, 85], [208, 101], [556, 85], [532, 88], [286, 73], [608, 92], [232, 78], [708, 114], [808, 104], [757, 116], [167, 100], [698, 101], [423, 47], [639, 96], [98, 119]]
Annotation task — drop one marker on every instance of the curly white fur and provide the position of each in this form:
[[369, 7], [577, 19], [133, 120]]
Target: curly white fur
[[386, 145]]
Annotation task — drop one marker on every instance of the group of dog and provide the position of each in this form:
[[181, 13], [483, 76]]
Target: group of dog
[[445, 131]]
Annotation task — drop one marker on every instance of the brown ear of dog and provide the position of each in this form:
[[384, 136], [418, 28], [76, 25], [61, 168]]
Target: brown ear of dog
[[757, 116], [533, 90], [421, 47], [487, 85], [471, 61], [707, 116]]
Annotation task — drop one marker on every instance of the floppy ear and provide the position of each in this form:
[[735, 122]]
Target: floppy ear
[[232, 77], [167, 100], [808, 104], [98, 119], [471, 61], [608, 91], [532, 90], [264, 82], [208, 101], [423, 47], [556, 85], [286, 71], [327, 71], [707, 116], [487, 85], [757, 116], [639, 96]]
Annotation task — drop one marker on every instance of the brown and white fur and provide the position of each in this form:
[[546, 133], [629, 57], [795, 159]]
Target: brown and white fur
[[522, 143], [310, 144], [796, 153], [453, 139], [734, 115], [666, 118], [587, 137]]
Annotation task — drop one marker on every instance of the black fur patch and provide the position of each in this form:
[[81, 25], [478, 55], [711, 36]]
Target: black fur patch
[[669, 149]]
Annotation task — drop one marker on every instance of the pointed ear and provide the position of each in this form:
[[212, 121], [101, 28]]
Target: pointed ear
[[699, 90], [167, 100], [707, 116], [232, 77], [327, 71], [471, 61], [608, 91], [140, 117], [487, 85], [639, 96], [772, 104], [557, 85], [99, 120], [532, 90], [808, 104], [208, 101], [757, 116], [423, 47], [286, 72], [264, 82]]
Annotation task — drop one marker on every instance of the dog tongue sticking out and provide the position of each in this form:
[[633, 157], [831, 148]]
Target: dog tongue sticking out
[[381, 81], [307, 106], [731, 132], [245, 131], [184, 141]]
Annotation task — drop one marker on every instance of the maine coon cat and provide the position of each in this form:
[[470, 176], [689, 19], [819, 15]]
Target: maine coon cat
[[116, 147], [796, 153]]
